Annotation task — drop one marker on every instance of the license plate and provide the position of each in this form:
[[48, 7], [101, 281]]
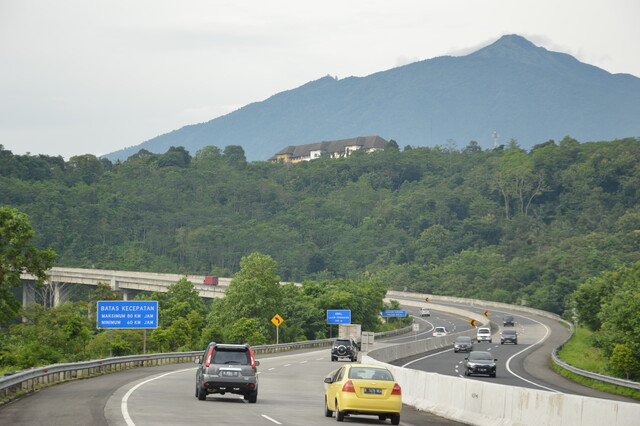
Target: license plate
[[373, 391], [227, 373]]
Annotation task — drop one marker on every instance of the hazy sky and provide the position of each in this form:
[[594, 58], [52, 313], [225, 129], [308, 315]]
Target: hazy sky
[[85, 76]]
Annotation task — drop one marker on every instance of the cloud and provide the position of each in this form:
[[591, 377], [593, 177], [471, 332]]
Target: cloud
[[406, 60]]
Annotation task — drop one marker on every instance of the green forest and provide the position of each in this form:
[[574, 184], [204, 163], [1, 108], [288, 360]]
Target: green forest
[[506, 224]]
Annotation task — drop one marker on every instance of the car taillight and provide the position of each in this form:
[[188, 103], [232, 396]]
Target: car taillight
[[348, 387], [396, 390], [253, 359], [209, 357]]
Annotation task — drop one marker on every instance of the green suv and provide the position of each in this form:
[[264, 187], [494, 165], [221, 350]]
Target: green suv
[[227, 368]]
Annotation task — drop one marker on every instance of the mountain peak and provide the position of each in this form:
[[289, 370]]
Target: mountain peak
[[508, 45], [514, 40]]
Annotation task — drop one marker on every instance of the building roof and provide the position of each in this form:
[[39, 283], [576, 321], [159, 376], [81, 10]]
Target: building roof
[[362, 142]]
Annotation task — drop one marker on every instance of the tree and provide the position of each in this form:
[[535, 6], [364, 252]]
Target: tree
[[516, 179], [247, 330], [392, 146], [17, 256], [253, 293], [234, 154], [176, 157], [84, 168], [472, 148], [207, 157], [620, 312], [625, 361]]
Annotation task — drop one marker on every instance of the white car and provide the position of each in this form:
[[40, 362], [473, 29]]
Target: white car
[[484, 334], [439, 331], [425, 312]]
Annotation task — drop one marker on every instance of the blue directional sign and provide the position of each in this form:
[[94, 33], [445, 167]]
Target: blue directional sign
[[339, 316], [394, 313], [127, 314]]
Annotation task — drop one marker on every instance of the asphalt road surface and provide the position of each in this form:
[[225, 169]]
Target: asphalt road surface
[[291, 392]]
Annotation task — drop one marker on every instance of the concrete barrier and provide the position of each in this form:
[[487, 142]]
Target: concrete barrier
[[481, 403]]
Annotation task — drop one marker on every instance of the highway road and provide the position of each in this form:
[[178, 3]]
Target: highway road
[[291, 384], [291, 392], [527, 364]]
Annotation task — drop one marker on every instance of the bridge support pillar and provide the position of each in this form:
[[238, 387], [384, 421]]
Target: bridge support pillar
[[125, 294], [28, 293], [59, 294]]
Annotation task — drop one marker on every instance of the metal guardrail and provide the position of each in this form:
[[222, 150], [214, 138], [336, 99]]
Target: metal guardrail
[[589, 374], [29, 380]]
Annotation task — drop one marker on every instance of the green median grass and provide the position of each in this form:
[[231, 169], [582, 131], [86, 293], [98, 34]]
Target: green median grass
[[580, 353]]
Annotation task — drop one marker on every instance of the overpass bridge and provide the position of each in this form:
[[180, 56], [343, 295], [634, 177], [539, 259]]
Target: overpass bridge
[[58, 287]]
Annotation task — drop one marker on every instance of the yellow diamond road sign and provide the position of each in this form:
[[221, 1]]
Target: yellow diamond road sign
[[277, 320]]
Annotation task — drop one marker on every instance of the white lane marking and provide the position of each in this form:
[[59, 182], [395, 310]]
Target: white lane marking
[[547, 332], [425, 357], [272, 368], [303, 362], [123, 405], [270, 419], [286, 365]]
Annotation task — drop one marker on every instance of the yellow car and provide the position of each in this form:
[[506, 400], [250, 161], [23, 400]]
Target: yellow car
[[363, 389]]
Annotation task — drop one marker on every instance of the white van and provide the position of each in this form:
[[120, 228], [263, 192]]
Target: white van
[[484, 334]]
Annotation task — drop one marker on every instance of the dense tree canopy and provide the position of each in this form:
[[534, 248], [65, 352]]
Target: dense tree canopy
[[17, 256], [610, 305], [502, 224]]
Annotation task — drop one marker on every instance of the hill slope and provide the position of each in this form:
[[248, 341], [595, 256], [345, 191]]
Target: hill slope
[[512, 86]]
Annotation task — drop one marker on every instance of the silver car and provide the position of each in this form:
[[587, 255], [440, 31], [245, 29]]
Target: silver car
[[463, 344], [227, 368]]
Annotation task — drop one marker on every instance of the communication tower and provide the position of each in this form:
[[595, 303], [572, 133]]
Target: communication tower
[[495, 139]]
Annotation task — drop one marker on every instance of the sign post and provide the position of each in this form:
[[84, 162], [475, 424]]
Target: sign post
[[277, 320]]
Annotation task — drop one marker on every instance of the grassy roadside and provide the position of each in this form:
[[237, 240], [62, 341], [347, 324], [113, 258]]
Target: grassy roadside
[[579, 353]]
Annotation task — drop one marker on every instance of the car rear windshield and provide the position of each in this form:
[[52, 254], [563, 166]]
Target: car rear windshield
[[231, 357], [484, 331], [441, 329], [370, 373], [463, 339], [343, 342], [513, 332]]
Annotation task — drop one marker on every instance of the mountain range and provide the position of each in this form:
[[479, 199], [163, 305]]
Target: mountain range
[[512, 87]]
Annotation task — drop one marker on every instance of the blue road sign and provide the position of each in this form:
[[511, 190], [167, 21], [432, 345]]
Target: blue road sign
[[127, 314], [393, 313], [339, 316]]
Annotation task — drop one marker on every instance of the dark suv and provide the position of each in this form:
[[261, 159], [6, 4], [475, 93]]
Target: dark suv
[[227, 368], [507, 321], [509, 336], [344, 348]]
